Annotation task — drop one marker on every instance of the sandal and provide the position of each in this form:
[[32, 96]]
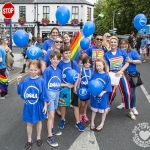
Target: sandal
[[92, 127], [99, 128], [131, 115], [144, 60], [29, 145], [39, 142]]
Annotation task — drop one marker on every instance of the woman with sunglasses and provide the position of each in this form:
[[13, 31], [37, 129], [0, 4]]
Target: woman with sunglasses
[[134, 59], [106, 38], [98, 50], [55, 47], [48, 43], [116, 60]]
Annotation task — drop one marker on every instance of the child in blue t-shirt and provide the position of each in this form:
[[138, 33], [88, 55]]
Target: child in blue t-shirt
[[53, 79], [64, 65], [33, 91], [86, 73]]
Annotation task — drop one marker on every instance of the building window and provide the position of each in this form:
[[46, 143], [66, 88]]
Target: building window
[[22, 11], [46, 12], [75, 12], [88, 13]]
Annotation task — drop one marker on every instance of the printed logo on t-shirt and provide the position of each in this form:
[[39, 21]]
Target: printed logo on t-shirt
[[54, 83], [97, 53], [85, 80], [31, 94], [116, 63]]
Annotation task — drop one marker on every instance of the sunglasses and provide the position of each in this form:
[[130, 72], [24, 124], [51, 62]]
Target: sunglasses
[[108, 36], [99, 39], [58, 41]]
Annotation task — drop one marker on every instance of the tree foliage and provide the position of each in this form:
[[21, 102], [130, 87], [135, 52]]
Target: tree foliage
[[124, 21]]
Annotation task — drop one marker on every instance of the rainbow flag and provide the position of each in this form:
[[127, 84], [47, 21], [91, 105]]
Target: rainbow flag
[[75, 47]]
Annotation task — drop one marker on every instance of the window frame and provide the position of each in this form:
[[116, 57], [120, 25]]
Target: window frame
[[47, 13], [74, 13], [88, 13], [23, 11]]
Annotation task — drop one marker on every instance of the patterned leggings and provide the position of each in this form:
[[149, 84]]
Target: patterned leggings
[[125, 91]]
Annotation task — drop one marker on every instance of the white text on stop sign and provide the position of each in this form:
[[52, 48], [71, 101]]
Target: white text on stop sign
[[8, 10]]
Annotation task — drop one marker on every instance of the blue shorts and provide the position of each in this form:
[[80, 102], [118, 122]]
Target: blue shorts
[[54, 98]]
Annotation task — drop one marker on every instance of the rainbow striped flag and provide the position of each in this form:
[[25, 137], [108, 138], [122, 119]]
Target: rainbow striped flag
[[75, 47]]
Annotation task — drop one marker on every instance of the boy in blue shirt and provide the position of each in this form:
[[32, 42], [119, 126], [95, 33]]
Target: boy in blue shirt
[[53, 80], [64, 65]]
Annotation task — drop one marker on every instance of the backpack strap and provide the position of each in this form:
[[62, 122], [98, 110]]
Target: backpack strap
[[72, 64]]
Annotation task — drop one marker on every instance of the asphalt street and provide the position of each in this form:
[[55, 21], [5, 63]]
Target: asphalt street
[[117, 133]]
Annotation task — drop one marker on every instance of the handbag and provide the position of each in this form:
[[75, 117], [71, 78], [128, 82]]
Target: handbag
[[134, 79]]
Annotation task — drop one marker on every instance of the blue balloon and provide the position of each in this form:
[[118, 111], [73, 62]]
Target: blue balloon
[[140, 21], [95, 87], [88, 28], [71, 76], [62, 15], [21, 38], [85, 43], [34, 52], [83, 93]]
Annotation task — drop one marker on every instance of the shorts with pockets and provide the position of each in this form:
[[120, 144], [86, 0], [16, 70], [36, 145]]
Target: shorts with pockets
[[54, 98]]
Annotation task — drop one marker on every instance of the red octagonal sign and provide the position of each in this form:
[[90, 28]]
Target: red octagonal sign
[[8, 10]]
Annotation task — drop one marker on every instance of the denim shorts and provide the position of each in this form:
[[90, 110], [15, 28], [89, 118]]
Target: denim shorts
[[54, 98]]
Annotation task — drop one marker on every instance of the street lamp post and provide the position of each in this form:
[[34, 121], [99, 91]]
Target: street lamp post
[[114, 18]]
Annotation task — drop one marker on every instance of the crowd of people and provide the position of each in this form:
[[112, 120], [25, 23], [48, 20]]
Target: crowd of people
[[42, 90]]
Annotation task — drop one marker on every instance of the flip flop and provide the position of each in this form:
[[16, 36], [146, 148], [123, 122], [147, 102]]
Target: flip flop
[[99, 128], [92, 127]]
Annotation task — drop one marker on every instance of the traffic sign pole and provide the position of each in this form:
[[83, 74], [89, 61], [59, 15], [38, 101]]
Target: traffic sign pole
[[8, 10], [11, 34]]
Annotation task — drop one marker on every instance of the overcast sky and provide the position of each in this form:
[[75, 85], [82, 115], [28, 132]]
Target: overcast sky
[[91, 1]]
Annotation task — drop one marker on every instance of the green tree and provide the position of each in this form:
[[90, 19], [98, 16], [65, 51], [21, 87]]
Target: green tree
[[124, 21]]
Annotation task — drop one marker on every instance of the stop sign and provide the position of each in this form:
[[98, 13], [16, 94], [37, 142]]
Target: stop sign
[[8, 10]]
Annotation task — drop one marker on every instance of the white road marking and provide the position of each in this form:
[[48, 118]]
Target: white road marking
[[85, 141], [146, 93]]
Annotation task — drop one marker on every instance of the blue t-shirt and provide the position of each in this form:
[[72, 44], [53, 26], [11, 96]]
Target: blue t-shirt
[[33, 90], [47, 44], [34, 94], [39, 45], [143, 43], [105, 80], [3, 56], [95, 52], [53, 78], [133, 54], [63, 66], [117, 61], [85, 77], [46, 57]]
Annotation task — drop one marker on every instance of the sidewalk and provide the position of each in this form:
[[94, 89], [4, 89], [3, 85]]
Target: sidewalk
[[18, 62]]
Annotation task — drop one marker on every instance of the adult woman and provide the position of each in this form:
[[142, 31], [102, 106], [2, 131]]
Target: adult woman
[[3, 77], [67, 39], [48, 43], [116, 60], [106, 38], [9, 58], [55, 47], [134, 59]]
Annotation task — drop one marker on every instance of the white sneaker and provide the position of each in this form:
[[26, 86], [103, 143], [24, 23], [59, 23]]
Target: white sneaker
[[3, 97], [135, 111], [121, 106]]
